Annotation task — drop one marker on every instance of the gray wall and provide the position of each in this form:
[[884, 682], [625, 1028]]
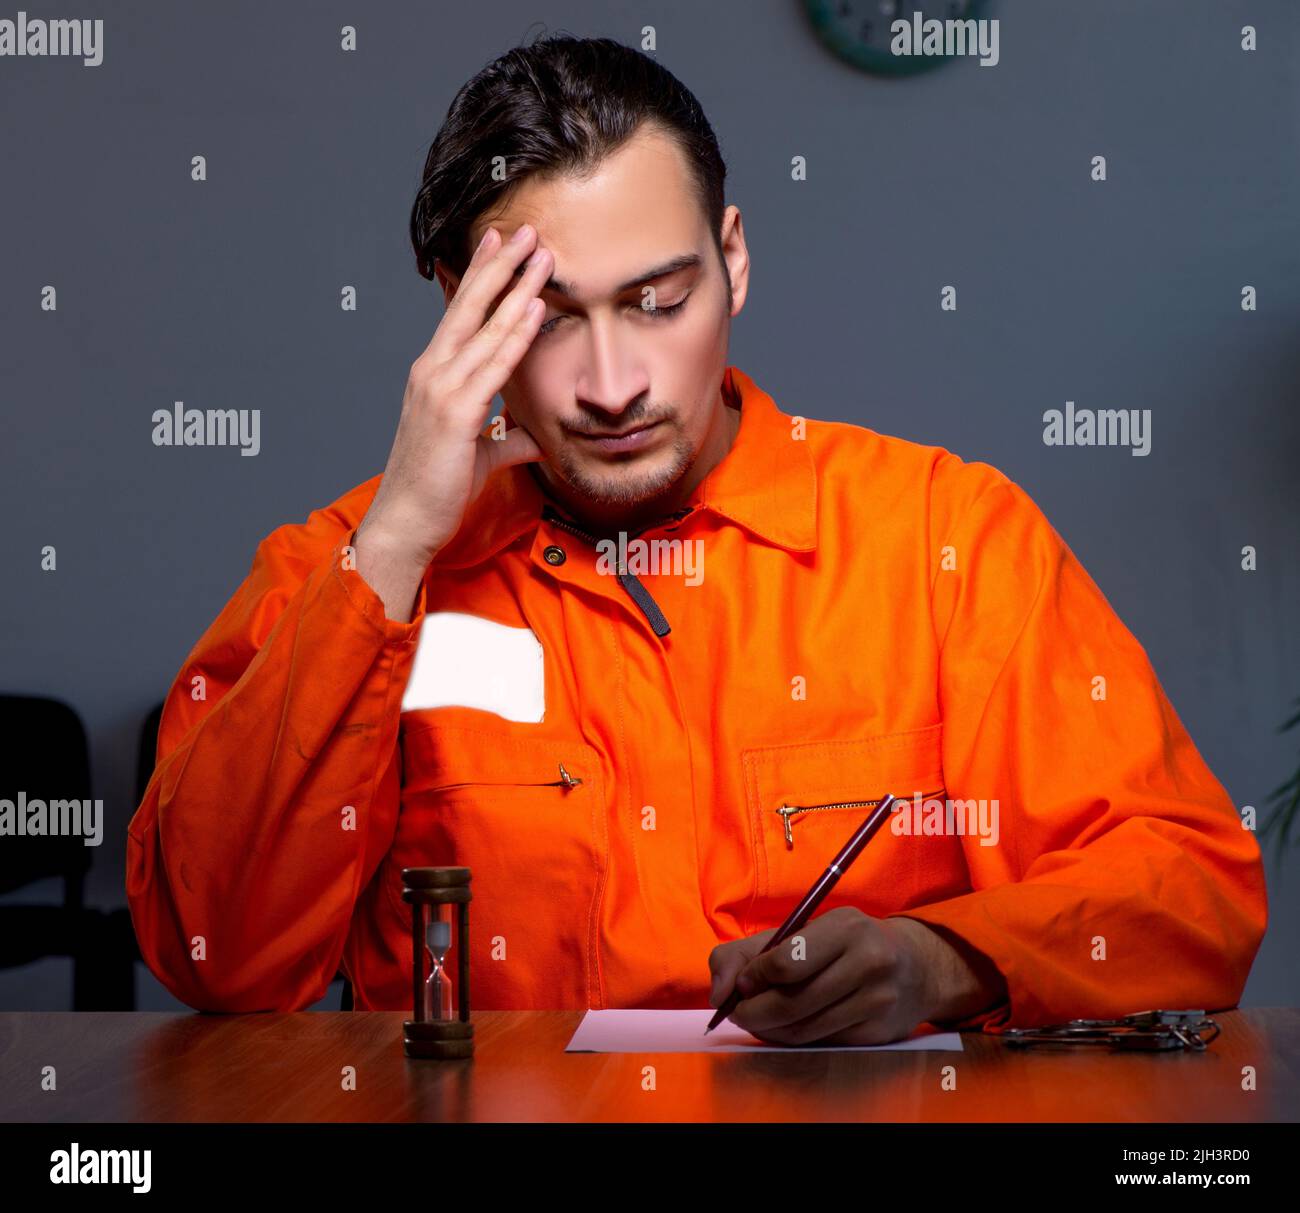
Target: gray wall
[[226, 294]]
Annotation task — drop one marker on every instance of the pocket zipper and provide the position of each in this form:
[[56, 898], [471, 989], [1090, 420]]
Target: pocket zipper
[[787, 811], [565, 781]]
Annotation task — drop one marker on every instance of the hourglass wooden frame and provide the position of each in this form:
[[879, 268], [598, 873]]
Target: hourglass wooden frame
[[438, 1038]]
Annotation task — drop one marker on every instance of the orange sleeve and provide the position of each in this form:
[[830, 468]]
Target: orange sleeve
[[1123, 879], [242, 836]]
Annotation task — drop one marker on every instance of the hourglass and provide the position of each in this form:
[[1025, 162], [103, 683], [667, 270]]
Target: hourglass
[[439, 900]]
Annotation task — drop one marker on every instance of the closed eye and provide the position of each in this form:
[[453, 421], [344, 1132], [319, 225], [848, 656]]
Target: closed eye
[[653, 313], [660, 313]]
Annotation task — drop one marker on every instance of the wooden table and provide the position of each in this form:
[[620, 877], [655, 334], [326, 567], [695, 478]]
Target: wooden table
[[150, 1067]]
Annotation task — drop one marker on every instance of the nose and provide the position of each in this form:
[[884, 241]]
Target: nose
[[613, 378]]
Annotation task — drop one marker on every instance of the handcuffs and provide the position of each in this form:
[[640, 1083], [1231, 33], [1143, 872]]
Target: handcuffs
[[1142, 1030]]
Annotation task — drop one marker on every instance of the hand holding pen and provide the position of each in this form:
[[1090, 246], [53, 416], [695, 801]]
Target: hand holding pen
[[861, 980]]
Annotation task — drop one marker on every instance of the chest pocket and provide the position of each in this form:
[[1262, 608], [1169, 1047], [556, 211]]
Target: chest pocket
[[524, 815], [806, 800]]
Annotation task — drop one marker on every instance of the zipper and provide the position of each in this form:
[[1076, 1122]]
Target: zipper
[[629, 581], [565, 781], [789, 811]]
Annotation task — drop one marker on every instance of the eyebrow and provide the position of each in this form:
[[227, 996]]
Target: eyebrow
[[682, 262]]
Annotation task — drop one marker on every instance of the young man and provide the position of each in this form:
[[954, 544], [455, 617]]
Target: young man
[[646, 750]]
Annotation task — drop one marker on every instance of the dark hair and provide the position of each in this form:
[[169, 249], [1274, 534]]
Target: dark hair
[[559, 105]]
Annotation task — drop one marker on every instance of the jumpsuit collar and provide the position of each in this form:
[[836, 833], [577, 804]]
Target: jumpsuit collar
[[766, 483]]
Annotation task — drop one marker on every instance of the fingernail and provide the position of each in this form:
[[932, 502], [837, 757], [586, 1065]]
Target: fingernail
[[521, 234], [744, 984]]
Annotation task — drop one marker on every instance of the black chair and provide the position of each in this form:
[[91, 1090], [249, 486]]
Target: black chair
[[47, 758], [147, 759], [147, 753]]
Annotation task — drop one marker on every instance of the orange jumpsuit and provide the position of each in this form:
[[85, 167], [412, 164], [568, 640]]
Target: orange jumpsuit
[[874, 616]]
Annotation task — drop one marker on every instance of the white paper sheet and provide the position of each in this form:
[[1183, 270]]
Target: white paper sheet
[[641, 1031]]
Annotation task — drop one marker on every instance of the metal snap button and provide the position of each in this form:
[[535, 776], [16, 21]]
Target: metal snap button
[[554, 555]]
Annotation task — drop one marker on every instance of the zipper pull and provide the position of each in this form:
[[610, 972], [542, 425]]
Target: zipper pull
[[787, 811], [569, 781]]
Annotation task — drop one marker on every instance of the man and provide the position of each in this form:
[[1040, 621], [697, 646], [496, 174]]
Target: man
[[647, 749]]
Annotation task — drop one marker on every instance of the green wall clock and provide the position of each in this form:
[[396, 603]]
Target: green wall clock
[[858, 30]]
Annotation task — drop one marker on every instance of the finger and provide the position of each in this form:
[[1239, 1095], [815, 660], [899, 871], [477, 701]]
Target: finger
[[728, 959], [470, 305], [505, 316], [487, 246], [499, 365], [784, 1005], [860, 1018], [807, 951]]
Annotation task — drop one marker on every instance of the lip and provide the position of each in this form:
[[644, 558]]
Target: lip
[[631, 441]]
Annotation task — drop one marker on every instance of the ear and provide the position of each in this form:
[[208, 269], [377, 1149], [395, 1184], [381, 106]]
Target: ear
[[448, 279]]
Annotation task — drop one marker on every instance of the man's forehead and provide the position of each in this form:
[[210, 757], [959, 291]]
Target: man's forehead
[[608, 230], [603, 259], [596, 259]]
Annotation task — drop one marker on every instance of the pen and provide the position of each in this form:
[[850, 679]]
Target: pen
[[813, 898]]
